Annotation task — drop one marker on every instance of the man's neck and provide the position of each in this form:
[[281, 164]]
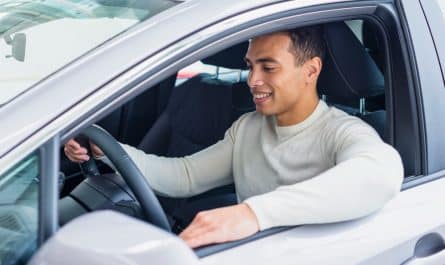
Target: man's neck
[[299, 113]]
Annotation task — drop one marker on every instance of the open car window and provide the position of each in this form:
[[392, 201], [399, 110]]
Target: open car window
[[220, 72]]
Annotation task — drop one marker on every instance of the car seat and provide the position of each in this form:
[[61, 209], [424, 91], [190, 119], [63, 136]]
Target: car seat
[[350, 77]]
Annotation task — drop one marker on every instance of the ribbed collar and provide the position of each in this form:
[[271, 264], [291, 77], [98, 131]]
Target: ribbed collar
[[286, 131]]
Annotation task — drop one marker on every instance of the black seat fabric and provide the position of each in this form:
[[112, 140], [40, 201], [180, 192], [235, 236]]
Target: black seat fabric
[[242, 101], [372, 44], [199, 111], [197, 115], [348, 66], [350, 74]]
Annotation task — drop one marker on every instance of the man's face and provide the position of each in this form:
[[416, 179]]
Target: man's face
[[276, 82]]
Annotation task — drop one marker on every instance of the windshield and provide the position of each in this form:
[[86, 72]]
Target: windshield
[[39, 37]]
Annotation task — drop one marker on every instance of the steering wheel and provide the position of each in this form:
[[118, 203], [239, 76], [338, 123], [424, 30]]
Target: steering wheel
[[134, 178]]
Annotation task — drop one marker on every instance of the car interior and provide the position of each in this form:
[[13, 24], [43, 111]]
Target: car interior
[[175, 119]]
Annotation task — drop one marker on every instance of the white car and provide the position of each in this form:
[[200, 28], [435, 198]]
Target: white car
[[66, 65]]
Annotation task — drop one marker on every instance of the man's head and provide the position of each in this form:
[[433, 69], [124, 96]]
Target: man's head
[[284, 67]]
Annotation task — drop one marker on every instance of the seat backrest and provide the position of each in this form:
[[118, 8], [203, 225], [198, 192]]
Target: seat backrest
[[129, 122], [242, 100], [350, 76], [199, 111]]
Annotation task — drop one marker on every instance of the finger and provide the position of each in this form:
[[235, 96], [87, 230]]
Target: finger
[[80, 151], [83, 158], [76, 151], [96, 150], [195, 235], [76, 158], [192, 231], [204, 238], [73, 143]]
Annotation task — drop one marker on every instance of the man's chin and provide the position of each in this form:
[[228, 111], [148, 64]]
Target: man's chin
[[264, 112]]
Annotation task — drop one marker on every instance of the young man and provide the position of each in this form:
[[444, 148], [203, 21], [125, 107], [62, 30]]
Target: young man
[[294, 161]]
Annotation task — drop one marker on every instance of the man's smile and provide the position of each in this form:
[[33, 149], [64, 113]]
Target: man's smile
[[261, 97]]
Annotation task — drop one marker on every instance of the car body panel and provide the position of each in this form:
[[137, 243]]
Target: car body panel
[[106, 237], [386, 237], [431, 85], [396, 227]]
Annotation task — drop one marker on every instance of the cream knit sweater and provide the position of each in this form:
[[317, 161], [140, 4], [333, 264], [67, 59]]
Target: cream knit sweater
[[330, 167]]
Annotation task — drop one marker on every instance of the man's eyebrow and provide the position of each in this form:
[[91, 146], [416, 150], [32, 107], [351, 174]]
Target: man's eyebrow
[[262, 60], [266, 60]]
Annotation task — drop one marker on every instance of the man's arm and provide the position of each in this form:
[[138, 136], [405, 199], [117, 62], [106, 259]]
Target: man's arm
[[367, 174], [190, 175]]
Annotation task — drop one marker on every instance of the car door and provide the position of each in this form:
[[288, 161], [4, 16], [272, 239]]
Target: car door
[[386, 237], [411, 228]]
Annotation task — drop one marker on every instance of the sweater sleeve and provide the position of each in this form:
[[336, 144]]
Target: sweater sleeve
[[366, 175], [190, 175]]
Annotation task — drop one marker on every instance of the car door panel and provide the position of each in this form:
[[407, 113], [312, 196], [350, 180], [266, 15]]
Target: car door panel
[[386, 237]]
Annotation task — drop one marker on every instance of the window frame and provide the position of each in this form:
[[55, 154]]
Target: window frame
[[48, 189], [435, 17]]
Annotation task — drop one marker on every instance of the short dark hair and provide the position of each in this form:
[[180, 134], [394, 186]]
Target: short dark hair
[[307, 43]]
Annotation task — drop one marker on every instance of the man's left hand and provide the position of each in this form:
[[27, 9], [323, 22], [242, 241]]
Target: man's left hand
[[221, 225]]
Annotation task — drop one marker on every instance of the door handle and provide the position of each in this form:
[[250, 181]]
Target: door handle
[[429, 250], [435, 259]]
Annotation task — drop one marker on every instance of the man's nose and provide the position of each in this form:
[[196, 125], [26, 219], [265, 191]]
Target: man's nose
[[254, 79]]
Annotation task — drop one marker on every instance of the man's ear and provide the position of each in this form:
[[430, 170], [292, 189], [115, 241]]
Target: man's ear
[[313, 67]]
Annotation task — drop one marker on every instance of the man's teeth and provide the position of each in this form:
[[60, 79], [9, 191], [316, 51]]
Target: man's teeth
[[258, 96]]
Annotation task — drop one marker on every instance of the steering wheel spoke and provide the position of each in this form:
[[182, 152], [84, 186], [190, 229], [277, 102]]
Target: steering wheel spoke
[[134, 178]]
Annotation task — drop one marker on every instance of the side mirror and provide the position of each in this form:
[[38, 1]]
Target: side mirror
[[107, 237], [18, 44]]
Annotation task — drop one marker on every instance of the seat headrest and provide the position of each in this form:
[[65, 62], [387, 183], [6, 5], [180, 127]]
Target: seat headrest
[[232, 57], [349, 72]]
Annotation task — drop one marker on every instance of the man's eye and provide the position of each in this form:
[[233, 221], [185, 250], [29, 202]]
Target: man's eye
[[268, 69]]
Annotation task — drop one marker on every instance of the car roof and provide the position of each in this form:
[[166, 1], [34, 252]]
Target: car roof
[[62, 90]]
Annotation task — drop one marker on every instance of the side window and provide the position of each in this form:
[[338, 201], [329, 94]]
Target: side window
[[19, 188], [219, 72], [193, 70]]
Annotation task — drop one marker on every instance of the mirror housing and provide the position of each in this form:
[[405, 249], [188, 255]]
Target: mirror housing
[[107, 237], [18, 44]]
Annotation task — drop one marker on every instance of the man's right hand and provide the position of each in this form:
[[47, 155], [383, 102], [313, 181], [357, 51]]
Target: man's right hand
[[78, 154]]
